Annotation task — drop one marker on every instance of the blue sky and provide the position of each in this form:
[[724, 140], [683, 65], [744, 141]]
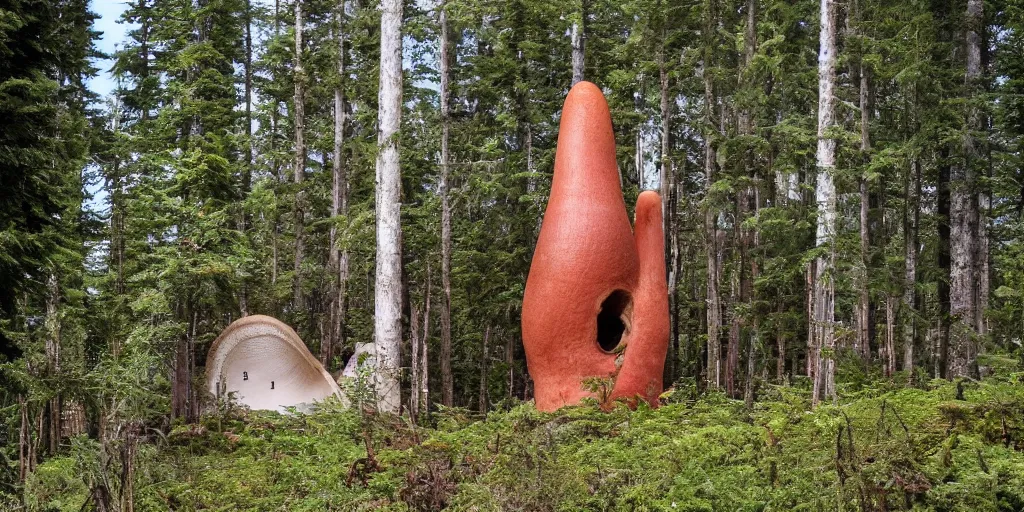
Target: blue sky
[[109, 12]]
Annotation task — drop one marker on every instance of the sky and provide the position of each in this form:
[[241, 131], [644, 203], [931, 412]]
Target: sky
[[109, 12]]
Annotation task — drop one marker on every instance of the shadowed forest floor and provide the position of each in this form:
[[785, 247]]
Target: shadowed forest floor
[[880, 448]]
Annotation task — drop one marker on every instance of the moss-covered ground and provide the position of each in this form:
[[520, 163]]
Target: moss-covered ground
[[937, 446]]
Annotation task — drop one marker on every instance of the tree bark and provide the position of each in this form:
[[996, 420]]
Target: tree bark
[[732, 354], [484, 372], [978, 152], [338, 263], [825, 197], [714, 305], [128, 451], [910, 222], [300, 158], [24, 433], [247, 168], [414, 394], [943, 256], [578, 35], [864, 293], [749, 202], [387, 289], [964, 218], [53, 346], [780, 343], [889, 352], [247, 171], [447, 382], [668, 184], [182, 403], [424, 384]]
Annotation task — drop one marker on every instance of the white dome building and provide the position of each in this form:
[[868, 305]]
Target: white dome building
[[266, 365]]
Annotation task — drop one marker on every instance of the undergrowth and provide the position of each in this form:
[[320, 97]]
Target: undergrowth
[[943, 446]]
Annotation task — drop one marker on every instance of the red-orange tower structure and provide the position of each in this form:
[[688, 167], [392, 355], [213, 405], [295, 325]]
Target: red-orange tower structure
[[596, 301]]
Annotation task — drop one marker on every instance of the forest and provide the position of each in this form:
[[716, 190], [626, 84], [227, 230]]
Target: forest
[[842, 188]]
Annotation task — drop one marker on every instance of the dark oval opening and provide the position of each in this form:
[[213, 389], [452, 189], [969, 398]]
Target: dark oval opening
[[610, 325]]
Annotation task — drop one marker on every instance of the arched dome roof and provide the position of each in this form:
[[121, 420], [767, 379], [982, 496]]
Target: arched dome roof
[[266, 365]]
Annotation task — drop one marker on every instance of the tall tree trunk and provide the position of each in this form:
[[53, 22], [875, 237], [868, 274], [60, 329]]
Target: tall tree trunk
[[732, 354], [682, 351], [181, 383], [812, 348], [128, 450], [714, 304], [414, 391], [53, 346], [24, 440], [943, 256], [964, 217], [825, 196], [982, 125], [447, 382], [247, 168], [863, 311], [749, 200], [275, 169], [424, 385], [300, 159], [889, 353], [578, 35], [485, 370], [387, 320], [780, 343], [339, 202], [667, 186], [910, 241]]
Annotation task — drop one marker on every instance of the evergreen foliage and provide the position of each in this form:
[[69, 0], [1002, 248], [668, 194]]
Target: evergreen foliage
[[885, 448], [134, 228]]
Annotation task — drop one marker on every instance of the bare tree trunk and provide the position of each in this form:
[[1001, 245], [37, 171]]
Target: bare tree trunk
[[447, 382], [682, 355], [53, 346], [889, 354], [780, 343], [863, 312], [128, 450], [749, 201], [182, 401], [964, 218], [339, 202], [942, 285], [24, 442], [424, 385], [414, 395], [180, 379], [300, 159], [579, 41], [387, 289], [825, 197], [668, 184], [732, 354], [812, 343], [247, 171], [714, 304], [243, 299], [485, 370], [910, 223], [276, 170], [982, 126]]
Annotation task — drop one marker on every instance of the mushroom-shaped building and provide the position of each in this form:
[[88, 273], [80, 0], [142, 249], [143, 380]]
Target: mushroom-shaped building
[[266, 365]]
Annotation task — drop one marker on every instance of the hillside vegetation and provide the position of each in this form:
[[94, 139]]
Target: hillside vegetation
[[941, 446]]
